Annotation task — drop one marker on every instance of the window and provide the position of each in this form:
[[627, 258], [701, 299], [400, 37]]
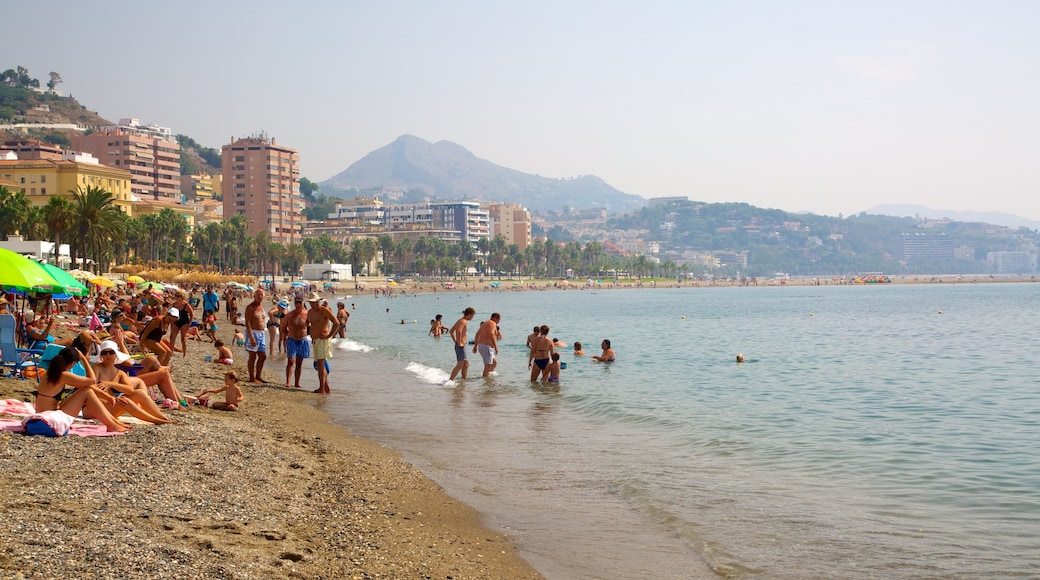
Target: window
[[43, 179], [43, 191]]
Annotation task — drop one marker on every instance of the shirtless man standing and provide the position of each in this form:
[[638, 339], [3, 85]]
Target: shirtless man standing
[[294, 328], [541, 352], [256, 319], [342, 316], [319, 319], [458, 337], [486, 341]]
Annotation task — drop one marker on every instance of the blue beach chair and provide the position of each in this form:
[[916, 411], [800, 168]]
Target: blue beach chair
[[17, 359]]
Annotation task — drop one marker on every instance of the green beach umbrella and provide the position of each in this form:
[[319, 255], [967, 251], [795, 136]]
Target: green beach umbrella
[[20, 273], [71, 285]]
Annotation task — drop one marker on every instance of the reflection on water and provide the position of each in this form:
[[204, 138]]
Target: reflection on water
[[872, 437]]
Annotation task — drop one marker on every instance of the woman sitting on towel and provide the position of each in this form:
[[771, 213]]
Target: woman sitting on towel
[[152, 335], [118, 383], [70, 393]]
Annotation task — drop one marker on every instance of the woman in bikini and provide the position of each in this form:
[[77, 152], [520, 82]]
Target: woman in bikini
[[119, 384], [185, 314], [153, 332], [274, 319], [60, 389]]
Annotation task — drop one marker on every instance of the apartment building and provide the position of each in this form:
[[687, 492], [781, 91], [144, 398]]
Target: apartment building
[[261, 181], [42, 179], [149, 153], [465, 217], [512, 221]]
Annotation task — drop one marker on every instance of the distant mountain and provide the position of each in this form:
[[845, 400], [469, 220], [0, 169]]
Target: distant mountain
[[987, 217], [448, 171]]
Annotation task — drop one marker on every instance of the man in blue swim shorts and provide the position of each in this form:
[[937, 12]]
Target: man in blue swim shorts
[[297, 346]]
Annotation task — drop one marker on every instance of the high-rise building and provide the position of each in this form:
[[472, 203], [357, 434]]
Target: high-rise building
[[150, 154], [261, 181], [512, 221], [465, 217]]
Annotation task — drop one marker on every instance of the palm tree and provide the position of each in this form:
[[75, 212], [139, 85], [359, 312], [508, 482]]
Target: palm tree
[[97, 222], [401, 250], [33, 225], [13, 207], [57, 214]]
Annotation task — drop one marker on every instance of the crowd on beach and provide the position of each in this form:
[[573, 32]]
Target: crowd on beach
[[109, 355], [543, 360]]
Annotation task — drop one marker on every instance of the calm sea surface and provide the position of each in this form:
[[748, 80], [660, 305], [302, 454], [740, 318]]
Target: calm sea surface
[[874, 431]]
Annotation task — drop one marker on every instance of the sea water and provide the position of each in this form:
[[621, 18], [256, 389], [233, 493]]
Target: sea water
[[873, 431]]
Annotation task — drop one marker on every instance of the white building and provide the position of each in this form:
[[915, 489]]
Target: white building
[[38, 250], [327, 271]]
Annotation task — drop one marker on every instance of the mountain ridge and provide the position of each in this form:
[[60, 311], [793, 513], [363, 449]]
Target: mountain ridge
[[988, 217], [447, 170]]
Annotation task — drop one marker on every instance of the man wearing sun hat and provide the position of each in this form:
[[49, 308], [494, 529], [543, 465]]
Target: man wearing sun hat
[[318, 320]]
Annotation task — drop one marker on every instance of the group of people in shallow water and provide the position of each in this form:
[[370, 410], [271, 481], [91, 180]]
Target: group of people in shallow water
[[542, 360]]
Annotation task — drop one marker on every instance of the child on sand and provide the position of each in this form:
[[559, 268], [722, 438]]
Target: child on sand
[[209, 320], [223, 353], [232, 394], [554, 368], [240, 339]]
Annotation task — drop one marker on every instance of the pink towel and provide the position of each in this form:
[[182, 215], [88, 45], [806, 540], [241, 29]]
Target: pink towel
[[15, 407], [81, 429]]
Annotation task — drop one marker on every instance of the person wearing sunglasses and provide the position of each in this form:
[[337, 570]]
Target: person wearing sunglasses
[[119, 384]]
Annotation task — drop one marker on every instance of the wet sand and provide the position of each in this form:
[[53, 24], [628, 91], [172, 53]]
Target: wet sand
[[272, 491]]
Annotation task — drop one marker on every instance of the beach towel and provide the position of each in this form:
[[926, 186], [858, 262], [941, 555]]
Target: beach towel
[[16, 407], [80, 429], [48, 424]]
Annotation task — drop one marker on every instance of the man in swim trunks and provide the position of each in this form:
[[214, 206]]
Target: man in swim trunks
[[541, 353], [323, 325], [297, 348], [486, 342], [458, 337], [255, 345]]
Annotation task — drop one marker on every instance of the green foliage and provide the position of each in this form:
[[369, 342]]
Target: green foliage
[[188, 165], [307, 188], [321, 208]]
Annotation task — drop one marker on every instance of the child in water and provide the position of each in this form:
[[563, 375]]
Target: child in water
[[232, 394], [554, 368]]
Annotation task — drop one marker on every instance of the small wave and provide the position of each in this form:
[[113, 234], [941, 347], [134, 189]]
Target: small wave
[[427, 374], [347, 344]]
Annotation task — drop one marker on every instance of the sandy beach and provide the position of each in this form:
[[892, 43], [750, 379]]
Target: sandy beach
[[272, 491]]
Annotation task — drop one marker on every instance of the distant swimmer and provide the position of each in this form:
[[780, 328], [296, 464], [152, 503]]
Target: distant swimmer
[[557, 343], [608, 353], [740, 357], [577, 349]]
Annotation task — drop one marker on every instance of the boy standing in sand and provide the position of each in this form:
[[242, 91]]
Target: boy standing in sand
[[458, 337], [232, 394]]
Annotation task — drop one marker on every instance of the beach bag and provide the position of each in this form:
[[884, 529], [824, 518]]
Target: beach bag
[[48, 423]]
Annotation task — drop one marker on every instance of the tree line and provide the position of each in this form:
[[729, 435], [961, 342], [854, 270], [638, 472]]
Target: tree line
[[99, 234]]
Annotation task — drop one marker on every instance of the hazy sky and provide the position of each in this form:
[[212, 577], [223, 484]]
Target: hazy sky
[[828, 106]]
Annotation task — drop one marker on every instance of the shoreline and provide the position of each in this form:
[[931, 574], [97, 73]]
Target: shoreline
[[274, 490]]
